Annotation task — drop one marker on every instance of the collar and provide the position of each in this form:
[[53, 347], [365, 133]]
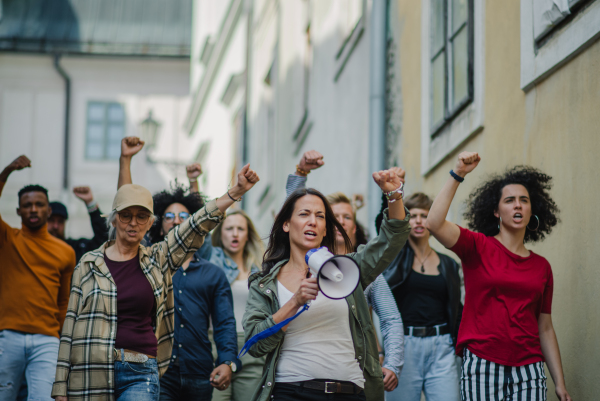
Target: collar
[[41, 232]]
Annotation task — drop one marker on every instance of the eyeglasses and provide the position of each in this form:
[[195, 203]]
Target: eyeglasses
[[126, 217], [169, 217]]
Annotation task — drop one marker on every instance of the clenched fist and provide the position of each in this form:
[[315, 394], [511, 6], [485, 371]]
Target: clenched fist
[[131, 145]]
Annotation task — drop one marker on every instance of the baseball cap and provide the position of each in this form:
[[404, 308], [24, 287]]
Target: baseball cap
[[133, 195], [58, 209]]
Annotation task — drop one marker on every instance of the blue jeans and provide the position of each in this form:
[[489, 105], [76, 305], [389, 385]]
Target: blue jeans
[[29, 356], [175, 386], [136, 381], [429, 366]]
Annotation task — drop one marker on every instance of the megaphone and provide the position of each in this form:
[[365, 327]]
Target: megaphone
[[337, 275]]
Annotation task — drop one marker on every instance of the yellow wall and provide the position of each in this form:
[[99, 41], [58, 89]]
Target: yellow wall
[[554, 127]]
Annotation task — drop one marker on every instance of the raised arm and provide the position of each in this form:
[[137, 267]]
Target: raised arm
[[310, 160], [130, 146], [188, 237], [98, 222], [444, 231], [19, 163], [194, 171]]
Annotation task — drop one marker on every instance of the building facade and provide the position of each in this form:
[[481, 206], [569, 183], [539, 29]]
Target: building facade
[[74, 82]]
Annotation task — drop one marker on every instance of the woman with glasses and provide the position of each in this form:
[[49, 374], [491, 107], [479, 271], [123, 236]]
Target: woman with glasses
[[118, 333]]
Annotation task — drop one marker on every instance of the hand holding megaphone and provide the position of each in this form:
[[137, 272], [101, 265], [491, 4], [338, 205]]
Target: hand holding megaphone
[[307, 292], [337, 275]]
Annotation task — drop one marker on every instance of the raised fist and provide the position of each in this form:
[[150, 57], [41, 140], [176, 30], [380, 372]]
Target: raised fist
[[84, 193], [194, 170], [246, 179], [131, 145], [467, 161], [388, 180], [311, 160], [19, 163]]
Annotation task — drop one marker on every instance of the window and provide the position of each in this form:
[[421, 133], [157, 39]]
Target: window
[[452, 79], [552, 33], [105, 129], [451, 60]]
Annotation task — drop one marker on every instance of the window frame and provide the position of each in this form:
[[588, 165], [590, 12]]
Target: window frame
[[105, 125], [565, 42], [469, 121], [446, 49]]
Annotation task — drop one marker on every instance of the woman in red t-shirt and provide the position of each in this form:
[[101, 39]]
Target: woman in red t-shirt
[[506, 331]]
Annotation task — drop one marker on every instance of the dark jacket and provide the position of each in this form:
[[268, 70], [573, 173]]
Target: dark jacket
[[85, 245], [398, 271]]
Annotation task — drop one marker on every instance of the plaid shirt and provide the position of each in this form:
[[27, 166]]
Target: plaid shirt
[[85, 368]]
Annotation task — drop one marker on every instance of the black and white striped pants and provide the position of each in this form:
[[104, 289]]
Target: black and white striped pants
[[483, 380]]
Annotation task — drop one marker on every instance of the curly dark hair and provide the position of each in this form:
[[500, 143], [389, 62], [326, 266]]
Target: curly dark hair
[[484, 200], [193, 201], [32, 188]]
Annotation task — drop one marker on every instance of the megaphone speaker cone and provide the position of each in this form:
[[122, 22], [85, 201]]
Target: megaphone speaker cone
[[337, 275]]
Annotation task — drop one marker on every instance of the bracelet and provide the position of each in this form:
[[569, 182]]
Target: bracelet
[[456, 176], [381, 354], [92, 206], [193, 179], [301, 172], [399, 190], [235, 200]]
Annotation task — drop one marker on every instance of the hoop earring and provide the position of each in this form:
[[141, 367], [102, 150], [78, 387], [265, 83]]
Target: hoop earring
[[499, 223], [538, 226]]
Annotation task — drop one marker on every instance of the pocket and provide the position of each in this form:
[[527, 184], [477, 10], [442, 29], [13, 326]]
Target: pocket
[[373, 367], [148, 367]]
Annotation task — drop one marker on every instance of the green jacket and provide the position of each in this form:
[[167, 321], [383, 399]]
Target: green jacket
[[373, 258]]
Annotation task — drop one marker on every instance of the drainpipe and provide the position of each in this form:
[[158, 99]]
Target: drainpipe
[[377, 50], [67, 80]]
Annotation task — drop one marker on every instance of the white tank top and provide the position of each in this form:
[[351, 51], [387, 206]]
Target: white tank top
[[318, 344], [239, 291]]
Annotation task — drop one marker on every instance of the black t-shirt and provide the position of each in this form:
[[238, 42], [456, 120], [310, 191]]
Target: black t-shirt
[[422, 300]]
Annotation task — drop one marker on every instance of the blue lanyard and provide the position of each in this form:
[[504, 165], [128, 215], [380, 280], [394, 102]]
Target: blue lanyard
[[269, 332]]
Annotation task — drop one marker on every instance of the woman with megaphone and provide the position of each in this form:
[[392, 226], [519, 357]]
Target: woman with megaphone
[[330, 348]]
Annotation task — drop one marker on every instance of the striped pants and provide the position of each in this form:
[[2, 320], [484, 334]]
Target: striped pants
[[483, 380]]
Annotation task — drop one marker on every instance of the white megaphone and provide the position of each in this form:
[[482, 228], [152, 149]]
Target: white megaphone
[[337, 275]]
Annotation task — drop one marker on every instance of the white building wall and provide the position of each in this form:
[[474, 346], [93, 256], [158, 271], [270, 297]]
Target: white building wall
[[339, 111], [32, 123]]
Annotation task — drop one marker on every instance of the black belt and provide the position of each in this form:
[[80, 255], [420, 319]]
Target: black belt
[[328, 387], [429, 331]]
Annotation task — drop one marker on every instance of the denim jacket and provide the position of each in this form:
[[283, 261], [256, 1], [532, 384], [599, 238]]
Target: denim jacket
[[263, 302], [219, 257]]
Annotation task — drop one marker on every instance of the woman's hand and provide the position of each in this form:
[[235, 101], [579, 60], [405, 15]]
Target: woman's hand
[[467, 161], [389, 180], [246, 179], [307, 292], [311, 160], [390, 381], [194, 170], [562, 394]]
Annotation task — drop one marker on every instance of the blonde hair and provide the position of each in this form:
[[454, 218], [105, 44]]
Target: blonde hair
[[340, 197], [254, 248]]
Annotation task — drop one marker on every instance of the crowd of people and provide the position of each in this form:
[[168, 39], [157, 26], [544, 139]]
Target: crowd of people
[[159, 303]]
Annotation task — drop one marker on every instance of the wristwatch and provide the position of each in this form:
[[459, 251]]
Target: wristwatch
[[231, 365]]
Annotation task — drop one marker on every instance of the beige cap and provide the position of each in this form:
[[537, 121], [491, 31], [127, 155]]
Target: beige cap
[[133, 195]]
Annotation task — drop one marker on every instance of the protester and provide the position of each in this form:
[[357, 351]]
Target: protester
[[202, 294], [237, 250], [330, 348], [426, 288], [506, 331], [121, 355], [58, 219], [378, 294], [34, 291]]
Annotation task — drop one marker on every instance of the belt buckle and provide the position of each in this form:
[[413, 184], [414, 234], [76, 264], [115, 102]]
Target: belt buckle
[[327, 388]]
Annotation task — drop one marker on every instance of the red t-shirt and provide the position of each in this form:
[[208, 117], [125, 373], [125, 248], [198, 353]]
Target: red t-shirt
[[504, 296]]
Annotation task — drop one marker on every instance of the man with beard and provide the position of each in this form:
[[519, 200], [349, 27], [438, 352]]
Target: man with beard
[[35, 277]]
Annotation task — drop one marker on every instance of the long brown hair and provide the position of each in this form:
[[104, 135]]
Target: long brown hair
[[279, 241], [253, 250]]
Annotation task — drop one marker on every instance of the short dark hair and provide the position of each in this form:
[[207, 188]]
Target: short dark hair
[[484, 200], [418, 200], [32, 188], [193, 201]]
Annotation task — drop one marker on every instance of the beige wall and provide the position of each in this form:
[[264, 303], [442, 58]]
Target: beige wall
[[552, 127]]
